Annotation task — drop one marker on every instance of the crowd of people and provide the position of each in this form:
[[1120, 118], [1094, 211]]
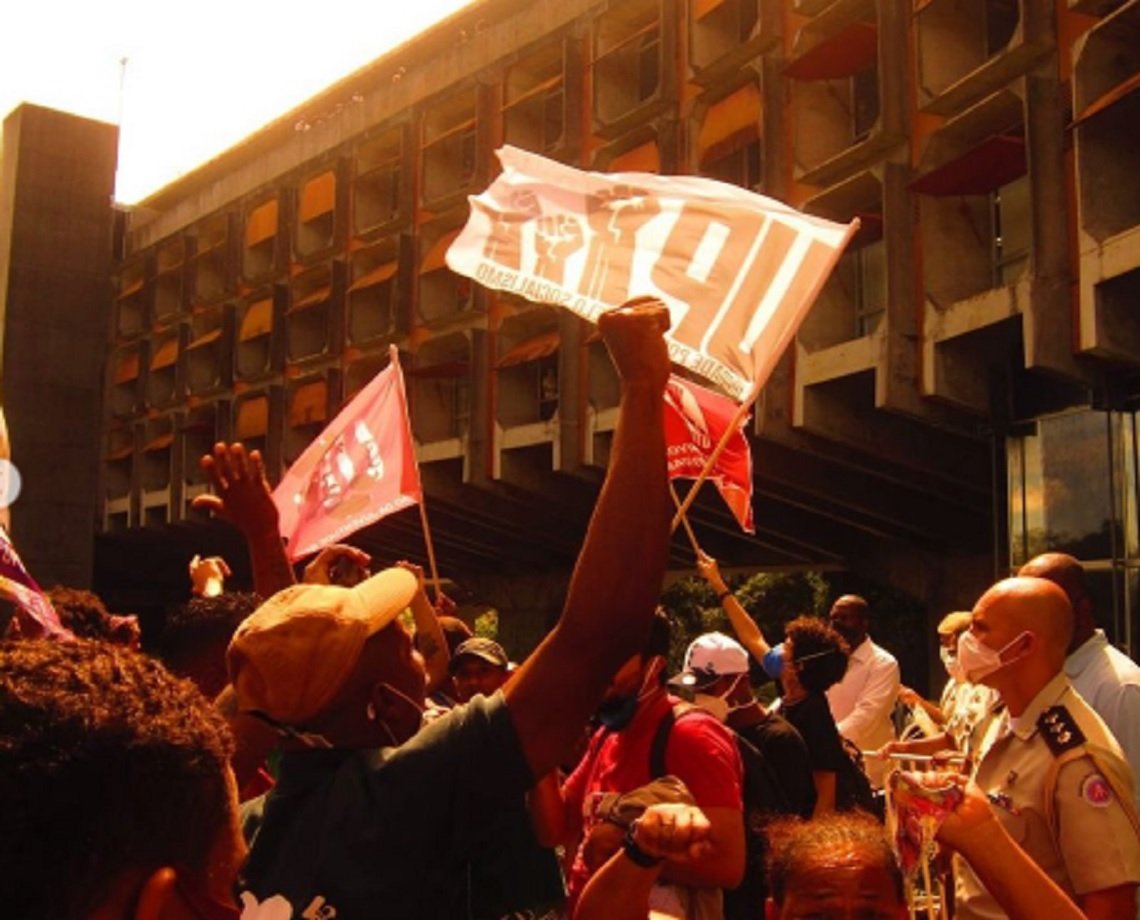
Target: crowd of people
[[344, 748]]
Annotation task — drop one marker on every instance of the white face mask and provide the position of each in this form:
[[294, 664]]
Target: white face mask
[[951, 664], [718, 706], [977, 660]]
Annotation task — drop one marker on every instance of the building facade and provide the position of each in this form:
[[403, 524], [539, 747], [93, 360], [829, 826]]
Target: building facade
[[962, 395]]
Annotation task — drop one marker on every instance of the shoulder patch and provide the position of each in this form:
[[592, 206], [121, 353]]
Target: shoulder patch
[[1096, 791], [1060, 731]]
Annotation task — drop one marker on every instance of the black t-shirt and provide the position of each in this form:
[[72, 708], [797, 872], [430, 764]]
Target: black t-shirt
[[811, 717], [786, 760], [387, 834]]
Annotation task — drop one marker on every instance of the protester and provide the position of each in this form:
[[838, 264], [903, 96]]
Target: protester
[[642, 737], [952, 723], [196, 635], [371, 811], [478, 665], [863, 700], [814, 659], [444, 696], [115, 792], [83, 613], [1056, 778], [1107, 679], [775, 760]]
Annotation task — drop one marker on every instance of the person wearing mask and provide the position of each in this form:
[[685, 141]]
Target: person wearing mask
[[1050, 768], [1107, 679], [777, 766], [698, 750]]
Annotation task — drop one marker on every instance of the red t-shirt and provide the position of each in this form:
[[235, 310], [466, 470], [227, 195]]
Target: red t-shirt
[[701, 752]]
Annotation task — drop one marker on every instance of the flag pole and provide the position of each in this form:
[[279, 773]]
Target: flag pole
[[394, 358], [754, 393], [684, 520]]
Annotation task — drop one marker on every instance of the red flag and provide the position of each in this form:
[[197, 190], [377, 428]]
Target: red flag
[[361, 468], [695, 420]]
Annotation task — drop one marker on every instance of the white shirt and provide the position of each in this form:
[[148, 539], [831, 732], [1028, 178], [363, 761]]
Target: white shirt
[[862, 702], [1109, 681]]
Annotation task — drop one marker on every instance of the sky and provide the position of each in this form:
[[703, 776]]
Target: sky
[[197, 77]]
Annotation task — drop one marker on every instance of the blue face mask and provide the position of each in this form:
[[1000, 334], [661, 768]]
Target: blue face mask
[[773, 661], [616, 713]]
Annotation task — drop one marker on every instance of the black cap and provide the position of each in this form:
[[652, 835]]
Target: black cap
[[477, 647]]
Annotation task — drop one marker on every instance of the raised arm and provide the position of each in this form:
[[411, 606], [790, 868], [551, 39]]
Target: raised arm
[[242, 497], [430, 642], [743, 625], [617, 579]]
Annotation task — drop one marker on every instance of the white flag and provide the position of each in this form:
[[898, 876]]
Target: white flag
[[738, 271]]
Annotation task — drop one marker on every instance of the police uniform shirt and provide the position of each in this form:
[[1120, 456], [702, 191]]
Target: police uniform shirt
[[1097, 844]]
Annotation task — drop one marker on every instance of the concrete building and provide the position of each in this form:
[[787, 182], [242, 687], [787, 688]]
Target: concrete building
[[961, 397]]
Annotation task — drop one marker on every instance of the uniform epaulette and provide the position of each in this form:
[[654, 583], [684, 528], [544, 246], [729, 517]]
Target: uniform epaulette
[[1059, 730]]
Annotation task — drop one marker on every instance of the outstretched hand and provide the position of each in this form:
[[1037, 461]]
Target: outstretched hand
[[241, 492]]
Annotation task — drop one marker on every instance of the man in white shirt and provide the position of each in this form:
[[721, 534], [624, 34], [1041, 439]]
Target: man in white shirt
[[1107, 679], [862, 702]]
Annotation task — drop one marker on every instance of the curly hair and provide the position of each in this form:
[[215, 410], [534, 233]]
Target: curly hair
[[107, 763], [85, 615], [819, 652], [847, 836], [197, 634]]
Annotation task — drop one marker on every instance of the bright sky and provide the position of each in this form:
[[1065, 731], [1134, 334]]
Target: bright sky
[[199, 76]]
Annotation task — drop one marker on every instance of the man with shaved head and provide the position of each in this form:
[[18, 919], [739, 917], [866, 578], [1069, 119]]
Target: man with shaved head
[[1108, 679], [1054, 775]]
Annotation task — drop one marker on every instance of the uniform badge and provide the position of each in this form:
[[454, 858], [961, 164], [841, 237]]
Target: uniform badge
[[1095, 790]]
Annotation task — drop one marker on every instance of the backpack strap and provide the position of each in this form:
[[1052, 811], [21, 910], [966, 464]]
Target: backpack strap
[[660, 741]]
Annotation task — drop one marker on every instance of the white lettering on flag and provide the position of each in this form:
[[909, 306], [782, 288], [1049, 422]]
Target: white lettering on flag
[[738, 271]]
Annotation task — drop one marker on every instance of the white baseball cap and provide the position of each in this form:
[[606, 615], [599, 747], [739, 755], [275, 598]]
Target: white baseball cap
[[712, 656]]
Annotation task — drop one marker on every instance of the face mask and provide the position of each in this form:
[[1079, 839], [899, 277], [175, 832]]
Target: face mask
[[773, 661], [951, 664], [978, 660], [617, 712], [718, 706]]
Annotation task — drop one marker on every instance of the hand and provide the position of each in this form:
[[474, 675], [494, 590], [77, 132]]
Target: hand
[[417, 570], [243, 496], [323, 569], [673, 831], [208, 576], [968, 824], [908, 697], [445, 606], [709, 569], [634, 334]]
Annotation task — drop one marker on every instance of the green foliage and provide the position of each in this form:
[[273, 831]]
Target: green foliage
[[486, 625], [773, 598]]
